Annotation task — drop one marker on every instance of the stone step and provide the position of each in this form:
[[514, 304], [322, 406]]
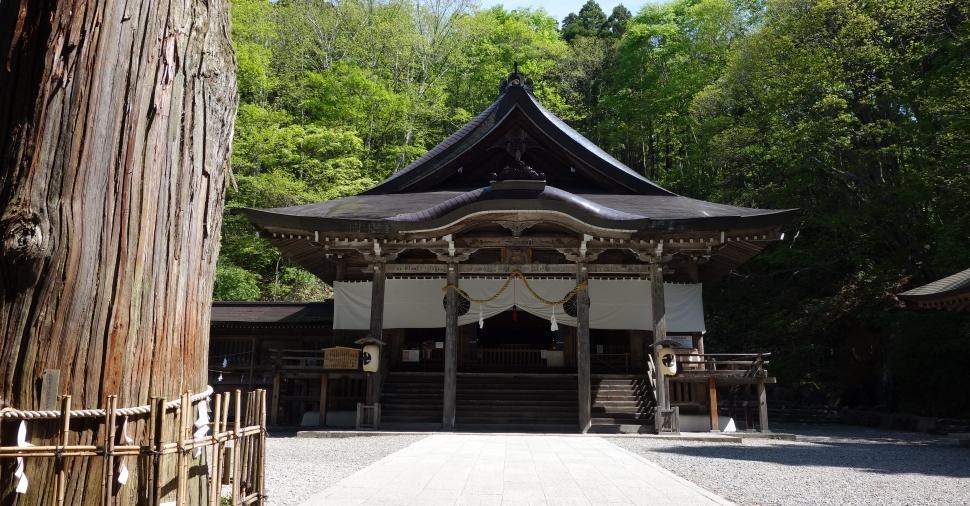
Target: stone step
[[628, 420], [563, 427]]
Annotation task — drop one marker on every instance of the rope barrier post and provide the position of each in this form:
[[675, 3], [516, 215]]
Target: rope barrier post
[[109, 443], [180, 449], [226, 470], [60, 465], [155, 437], [262, 446], [236, 461], [214, 485]]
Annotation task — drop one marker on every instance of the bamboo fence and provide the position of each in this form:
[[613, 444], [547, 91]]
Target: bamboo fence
[[235, 445]]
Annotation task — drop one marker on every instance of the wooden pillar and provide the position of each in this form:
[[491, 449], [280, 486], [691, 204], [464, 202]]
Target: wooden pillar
[[277, 380], [376, 330], [659, 310], [763, 405], [582, 349], [451, 350], [712, 402], [324, 387]]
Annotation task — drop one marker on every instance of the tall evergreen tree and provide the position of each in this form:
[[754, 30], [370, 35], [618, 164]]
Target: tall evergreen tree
[[590, 22]]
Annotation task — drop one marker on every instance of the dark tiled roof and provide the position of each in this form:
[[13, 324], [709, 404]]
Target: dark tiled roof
[[517, 98], [955, 283], [272, 313], [397, 211]]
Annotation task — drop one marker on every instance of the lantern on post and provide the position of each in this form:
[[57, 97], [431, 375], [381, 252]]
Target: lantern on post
[[371, 355], [668, 358]]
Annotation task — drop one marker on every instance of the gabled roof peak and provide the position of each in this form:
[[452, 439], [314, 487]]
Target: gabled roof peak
[[467, 158], [515, 78]]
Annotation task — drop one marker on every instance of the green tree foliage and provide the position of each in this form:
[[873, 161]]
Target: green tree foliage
[[857, 112], [336, 96], [590, 22], [235, 283], [669, 53], [616, 23], [839, 108]]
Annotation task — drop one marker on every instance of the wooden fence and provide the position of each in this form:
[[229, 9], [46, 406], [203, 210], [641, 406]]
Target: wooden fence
[[233, 439]]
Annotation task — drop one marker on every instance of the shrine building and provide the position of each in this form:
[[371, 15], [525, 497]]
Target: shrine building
[[518, 277]]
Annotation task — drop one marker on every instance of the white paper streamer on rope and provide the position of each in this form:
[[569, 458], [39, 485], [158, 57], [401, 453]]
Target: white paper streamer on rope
[[201, 425], [124, 439], [620, 304], [553, 324], [21, 473], [481, 319], [225, 361]]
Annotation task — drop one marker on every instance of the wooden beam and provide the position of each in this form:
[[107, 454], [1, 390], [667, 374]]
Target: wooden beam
[[441, 268], [324, 387], [659, 311], [376, 329], [722, 379], [273, 417], [50, 385], [582, 349], [712, 401], [451, 350], [763, 405], [521, 242]]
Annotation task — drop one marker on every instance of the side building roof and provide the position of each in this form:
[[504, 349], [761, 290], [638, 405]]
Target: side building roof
[[951, 293], [271, 314]]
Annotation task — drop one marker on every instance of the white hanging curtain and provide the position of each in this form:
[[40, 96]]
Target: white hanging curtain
[[614, 303]]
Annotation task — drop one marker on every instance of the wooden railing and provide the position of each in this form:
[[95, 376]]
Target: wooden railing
[[509, 356], [729, 364], [652, 377], [297, 359]]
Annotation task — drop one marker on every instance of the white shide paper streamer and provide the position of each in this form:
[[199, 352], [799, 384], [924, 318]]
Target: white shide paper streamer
[[21, 473], [201, 425], [124, 439]]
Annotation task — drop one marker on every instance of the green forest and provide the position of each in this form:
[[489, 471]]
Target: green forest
[[856, 112]]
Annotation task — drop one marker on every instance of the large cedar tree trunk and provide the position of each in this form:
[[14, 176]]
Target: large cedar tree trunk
[[115, 129]]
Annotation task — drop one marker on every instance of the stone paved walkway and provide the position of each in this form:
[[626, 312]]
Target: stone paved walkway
[[473, 469]]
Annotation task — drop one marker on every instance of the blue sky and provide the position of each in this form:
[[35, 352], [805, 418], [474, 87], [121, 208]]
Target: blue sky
[[560, 8]]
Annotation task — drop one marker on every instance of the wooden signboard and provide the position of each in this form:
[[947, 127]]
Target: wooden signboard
[[341, 358]]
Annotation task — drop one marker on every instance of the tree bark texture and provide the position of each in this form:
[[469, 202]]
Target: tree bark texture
[[115, 132]]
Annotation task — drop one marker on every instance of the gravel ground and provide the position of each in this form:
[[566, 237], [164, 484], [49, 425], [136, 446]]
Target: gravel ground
[[827, 465], [297, 468]]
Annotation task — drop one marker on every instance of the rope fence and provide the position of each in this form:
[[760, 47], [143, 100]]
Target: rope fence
[[230, 442]]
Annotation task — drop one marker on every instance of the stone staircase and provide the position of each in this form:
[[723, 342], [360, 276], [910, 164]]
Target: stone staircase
[[622, 403], [412, 400], [516, 402]]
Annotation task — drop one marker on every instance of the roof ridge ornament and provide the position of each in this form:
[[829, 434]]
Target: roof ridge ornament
[[517, 170], [515, 79]]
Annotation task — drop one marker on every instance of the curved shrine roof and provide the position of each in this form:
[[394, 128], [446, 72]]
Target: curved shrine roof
[[402, 212], [455, 179]]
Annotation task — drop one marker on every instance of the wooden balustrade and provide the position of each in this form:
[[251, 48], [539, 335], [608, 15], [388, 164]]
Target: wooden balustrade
[[509, 356], [730, 364]]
